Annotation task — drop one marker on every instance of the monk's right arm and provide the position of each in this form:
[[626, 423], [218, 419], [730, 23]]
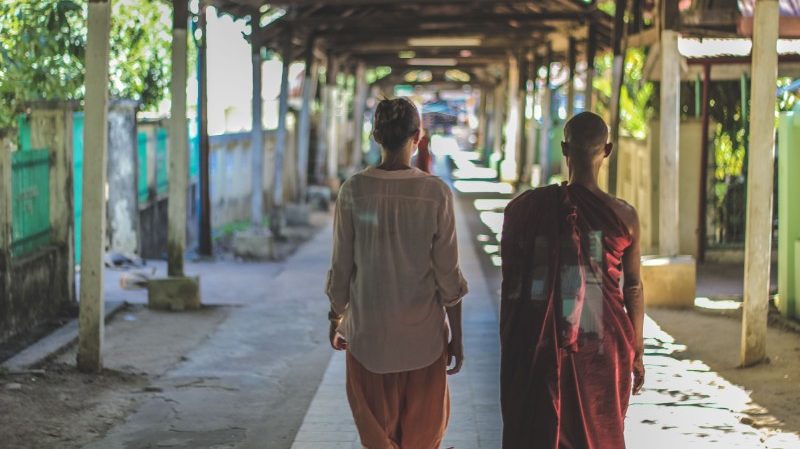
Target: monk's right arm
[[633, 294]]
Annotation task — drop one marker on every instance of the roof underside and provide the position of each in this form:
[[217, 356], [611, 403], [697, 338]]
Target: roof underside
[[475, 34]]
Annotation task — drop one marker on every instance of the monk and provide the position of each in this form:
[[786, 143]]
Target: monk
[[570, 330]]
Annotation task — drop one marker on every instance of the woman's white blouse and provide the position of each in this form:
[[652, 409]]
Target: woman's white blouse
[[394, 267]]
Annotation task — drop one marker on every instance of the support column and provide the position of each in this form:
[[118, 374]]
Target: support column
[[669, 135], [508, 168], [332, 172], [547, 123], [617, 78], [591, 51], [704, 144], [523, 162], [91, 326], [359, 105], [482, 125], [304, 126], [205, 242], [6, 199], [256, 129], [532, 126], [178, 143], [276, 223], [497, 126], [758, 238], [571, 62]]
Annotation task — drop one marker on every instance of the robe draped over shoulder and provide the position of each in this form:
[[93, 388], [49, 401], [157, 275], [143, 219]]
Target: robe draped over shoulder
[[567, 341]]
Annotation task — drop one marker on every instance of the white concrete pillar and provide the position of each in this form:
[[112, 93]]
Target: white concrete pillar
[[669, 135], [571, 62], [178, 143], [482, 125], [508, 168], [544, 131], [304, 125], [497, 124], [95, 140], [359, 106], [332, 138], [5, 215], [280, 133], [758, 238], [256, 133]]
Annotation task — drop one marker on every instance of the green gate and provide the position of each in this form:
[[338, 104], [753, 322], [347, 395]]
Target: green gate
[[142, 186], [30, 177], [162, 180]]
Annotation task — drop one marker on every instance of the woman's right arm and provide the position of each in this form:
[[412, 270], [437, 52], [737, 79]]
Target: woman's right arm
[[342, 262], [449, 281]]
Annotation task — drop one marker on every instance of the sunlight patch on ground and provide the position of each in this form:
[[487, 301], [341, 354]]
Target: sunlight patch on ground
[[686, 405], [724, 304], [491, 204], [483, 187]]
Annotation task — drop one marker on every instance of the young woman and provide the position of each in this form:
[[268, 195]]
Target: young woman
[[394, 278]]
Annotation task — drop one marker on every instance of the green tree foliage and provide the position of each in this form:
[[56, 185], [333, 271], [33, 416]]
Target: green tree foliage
[[42, 44], [636, 98]]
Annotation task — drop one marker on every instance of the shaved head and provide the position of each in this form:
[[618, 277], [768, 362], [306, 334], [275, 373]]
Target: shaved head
[[585, 136]]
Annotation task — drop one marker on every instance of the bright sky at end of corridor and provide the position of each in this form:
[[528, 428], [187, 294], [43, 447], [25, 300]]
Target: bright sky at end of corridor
[[230, 81]]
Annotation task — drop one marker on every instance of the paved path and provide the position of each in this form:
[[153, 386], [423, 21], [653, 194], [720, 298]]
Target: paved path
[[250, 382], [475, 419], [684, 404]]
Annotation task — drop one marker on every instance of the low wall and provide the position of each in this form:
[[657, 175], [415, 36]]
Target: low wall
[[31, 300], [231, 173]]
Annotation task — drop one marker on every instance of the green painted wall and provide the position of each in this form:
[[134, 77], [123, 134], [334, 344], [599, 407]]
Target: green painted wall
[[789, 214]]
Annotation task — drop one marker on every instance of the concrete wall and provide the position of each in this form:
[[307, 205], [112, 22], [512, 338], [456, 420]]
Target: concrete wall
[[31, 300], [637, 183], [231, 177], [122, 210]]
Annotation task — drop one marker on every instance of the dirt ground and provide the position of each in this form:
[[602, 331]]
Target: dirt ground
[[59, 407], [64, 408], [715, 339]]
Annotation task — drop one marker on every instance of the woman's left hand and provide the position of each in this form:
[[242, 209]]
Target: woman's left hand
[[455, 355]]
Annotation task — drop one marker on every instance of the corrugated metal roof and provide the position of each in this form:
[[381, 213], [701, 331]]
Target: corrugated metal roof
[[717, 48]]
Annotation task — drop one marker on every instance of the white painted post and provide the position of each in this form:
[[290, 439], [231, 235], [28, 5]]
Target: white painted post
[[359, 105], [304, 126], [5, 215], [758, 238], [178, 143], [256, 131], [547, 123], [482, 125], [280, 137], [508, 168], [332, 113], [669, 135], [91, 326], [497, 125]]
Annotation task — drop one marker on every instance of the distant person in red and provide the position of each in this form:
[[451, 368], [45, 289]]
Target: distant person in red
[[424, 160], [570, 334]]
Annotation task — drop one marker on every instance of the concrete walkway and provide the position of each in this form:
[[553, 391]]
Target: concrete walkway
[[683, 405]]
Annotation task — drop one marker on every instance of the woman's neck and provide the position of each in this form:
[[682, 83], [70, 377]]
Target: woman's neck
[[395, 160]]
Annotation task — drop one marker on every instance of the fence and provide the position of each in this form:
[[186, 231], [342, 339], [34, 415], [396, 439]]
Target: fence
[[31, 201]]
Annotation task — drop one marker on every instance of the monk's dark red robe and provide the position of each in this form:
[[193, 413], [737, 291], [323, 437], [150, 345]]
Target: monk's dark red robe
[[567, 342]]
